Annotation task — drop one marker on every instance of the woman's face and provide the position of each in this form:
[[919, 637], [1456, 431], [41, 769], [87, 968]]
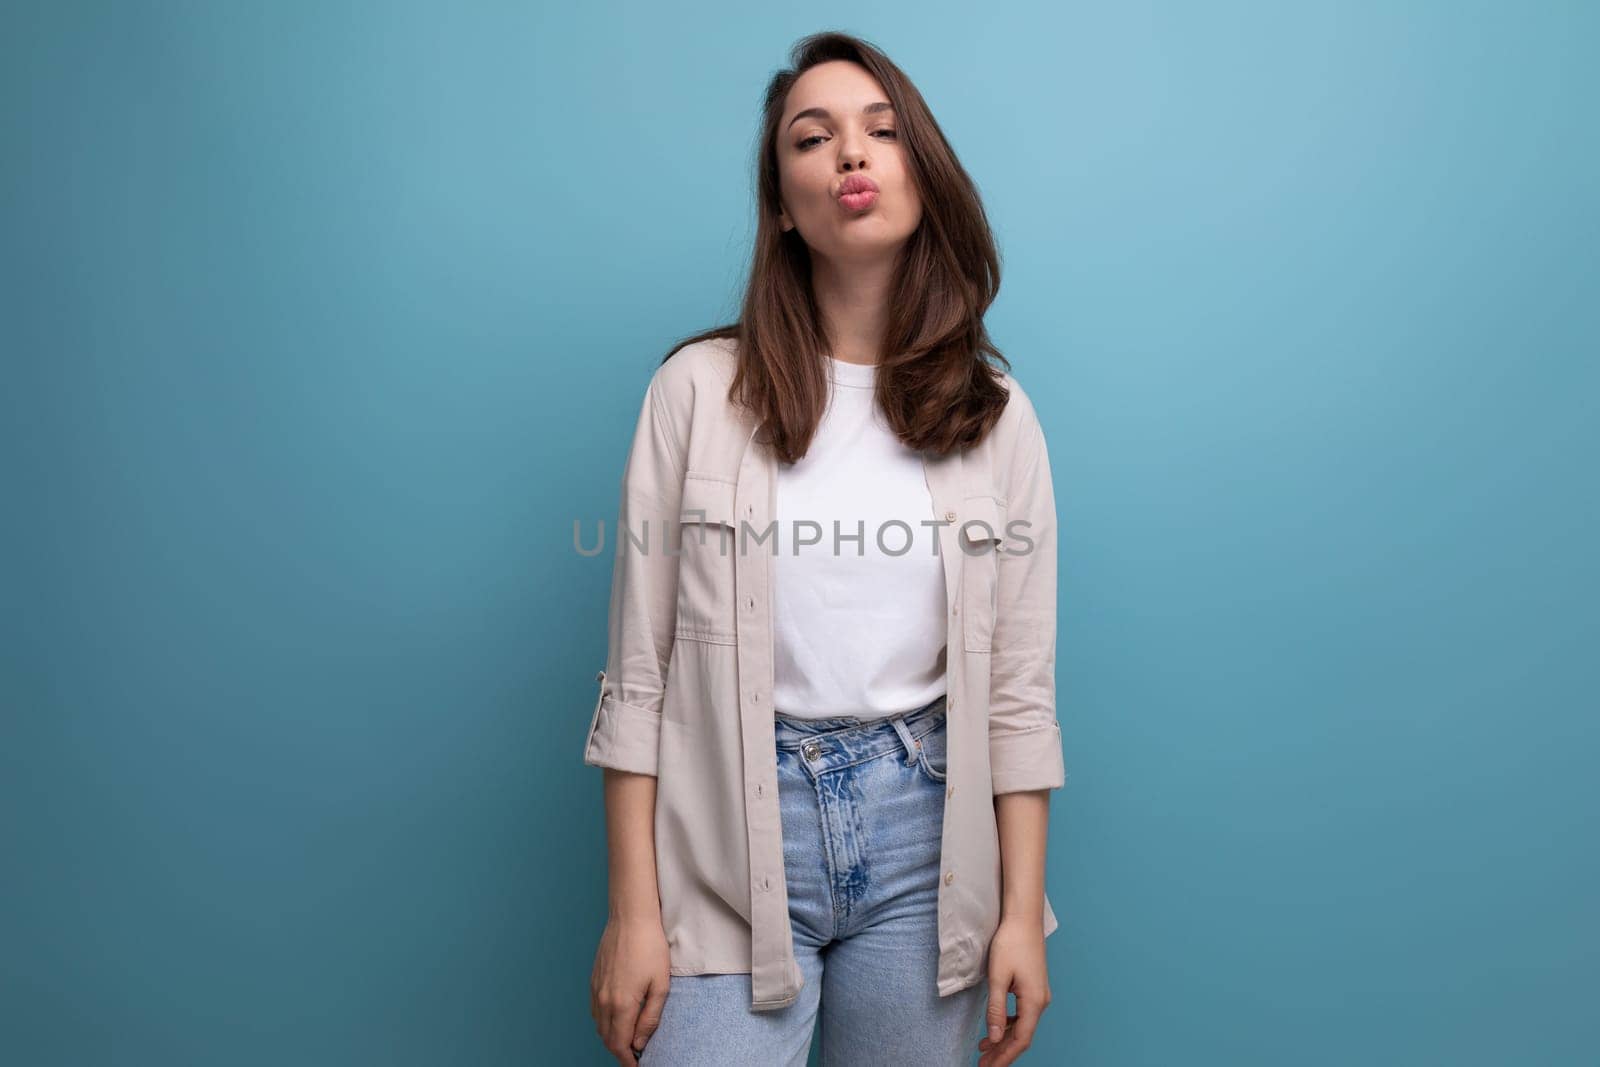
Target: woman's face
[[837, 128]]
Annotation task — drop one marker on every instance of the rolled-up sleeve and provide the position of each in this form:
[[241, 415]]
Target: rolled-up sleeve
[[625, 727], [1024, 735]]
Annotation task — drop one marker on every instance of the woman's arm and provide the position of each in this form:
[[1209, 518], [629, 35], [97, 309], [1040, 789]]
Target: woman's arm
[[625, 730], [1025, 758], [631, 846], [628, 988], [1024, 821], [1024, 737]]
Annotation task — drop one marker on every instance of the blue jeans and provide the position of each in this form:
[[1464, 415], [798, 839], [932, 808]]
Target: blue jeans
[[863, 814]]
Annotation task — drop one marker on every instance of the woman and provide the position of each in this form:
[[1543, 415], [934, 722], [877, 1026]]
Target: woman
[[828, 706]]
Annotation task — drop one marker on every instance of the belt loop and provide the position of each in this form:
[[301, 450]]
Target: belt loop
[[899, 724]]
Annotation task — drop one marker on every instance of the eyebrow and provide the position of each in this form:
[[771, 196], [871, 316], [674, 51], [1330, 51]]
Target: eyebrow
[[822, 112]]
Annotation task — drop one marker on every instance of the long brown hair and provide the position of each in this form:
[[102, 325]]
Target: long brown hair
[[935, 387]]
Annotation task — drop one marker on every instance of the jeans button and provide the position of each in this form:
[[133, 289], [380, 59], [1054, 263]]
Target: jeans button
[[812, 750]]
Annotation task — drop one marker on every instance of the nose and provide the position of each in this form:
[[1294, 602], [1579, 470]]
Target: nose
[[851, 158]]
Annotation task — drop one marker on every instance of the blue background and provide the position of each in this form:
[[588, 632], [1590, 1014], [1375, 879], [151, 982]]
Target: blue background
[[323, 323]]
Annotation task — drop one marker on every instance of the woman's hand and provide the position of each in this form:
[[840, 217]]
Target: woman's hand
[[629, 986], [1016, 965]]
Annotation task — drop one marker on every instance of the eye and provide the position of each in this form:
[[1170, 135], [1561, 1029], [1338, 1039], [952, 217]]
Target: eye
[[805, 144]]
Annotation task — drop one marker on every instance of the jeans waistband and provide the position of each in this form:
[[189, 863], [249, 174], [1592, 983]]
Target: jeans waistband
[[850, 738]]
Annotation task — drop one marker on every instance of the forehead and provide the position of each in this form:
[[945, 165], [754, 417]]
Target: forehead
[[838, 85]]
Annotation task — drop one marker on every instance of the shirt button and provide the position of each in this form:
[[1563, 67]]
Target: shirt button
[[949, 876], [950, 791], [949, 516]]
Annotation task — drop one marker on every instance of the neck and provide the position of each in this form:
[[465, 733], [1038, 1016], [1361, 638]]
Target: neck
[[853, 299]]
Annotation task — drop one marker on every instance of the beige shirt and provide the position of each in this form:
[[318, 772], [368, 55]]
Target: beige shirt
[[686, 692]]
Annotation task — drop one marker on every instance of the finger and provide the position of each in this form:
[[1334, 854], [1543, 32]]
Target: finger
[[610, 1032], [984, 1044], [655, 1003], [1019, 1034], [1007, 1051], [1029, 1009], [998, 988], [620, 1021]]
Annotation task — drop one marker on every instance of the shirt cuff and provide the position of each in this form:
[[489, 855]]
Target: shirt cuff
[[1027, 760], [624, 737]]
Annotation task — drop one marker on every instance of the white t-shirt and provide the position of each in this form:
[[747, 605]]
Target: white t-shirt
[[859, 626]]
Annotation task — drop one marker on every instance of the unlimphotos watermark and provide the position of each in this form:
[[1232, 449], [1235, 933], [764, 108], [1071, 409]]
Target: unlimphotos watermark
[[893, 537]]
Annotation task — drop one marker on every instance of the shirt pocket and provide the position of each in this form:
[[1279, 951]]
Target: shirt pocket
[[707, 545], [981, 529]]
